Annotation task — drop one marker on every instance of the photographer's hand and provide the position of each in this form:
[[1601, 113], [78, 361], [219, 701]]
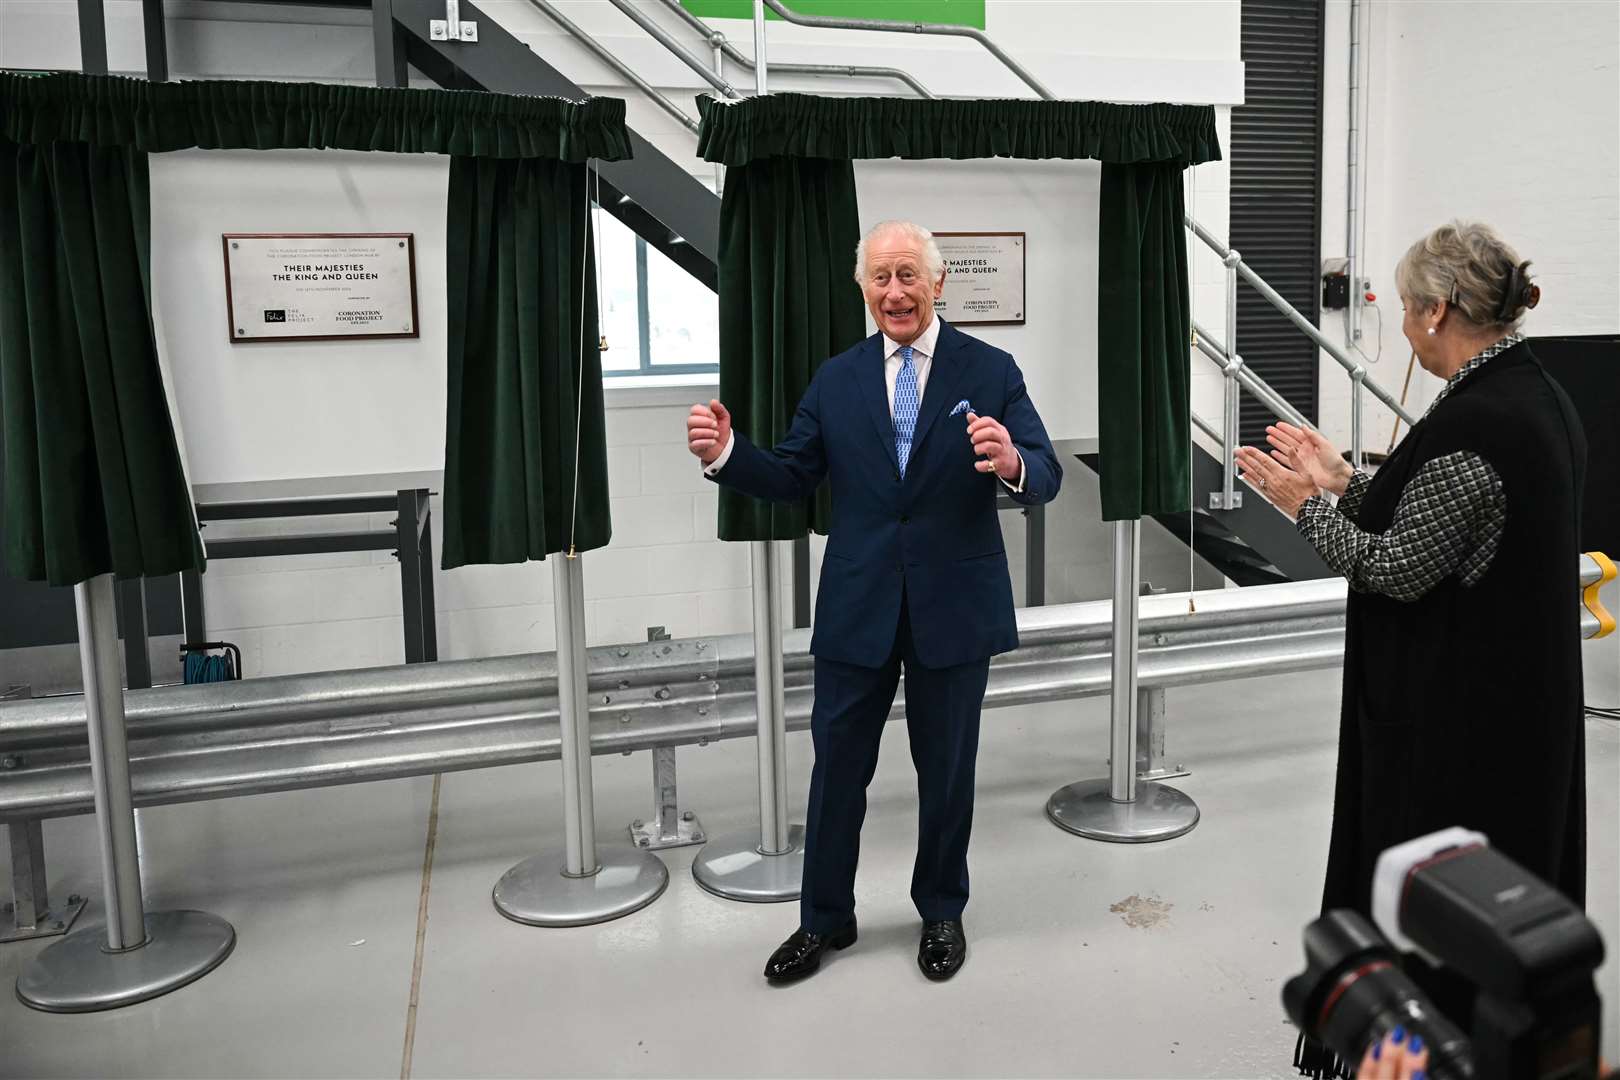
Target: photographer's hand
[[1395, 1058]]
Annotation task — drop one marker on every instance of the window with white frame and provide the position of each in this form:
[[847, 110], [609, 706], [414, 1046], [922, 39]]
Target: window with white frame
[[657, 318]]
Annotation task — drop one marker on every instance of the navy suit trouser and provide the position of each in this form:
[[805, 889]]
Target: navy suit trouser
[[846, 725]]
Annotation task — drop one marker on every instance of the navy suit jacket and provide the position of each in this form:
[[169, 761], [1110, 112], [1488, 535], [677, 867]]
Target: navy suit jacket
[[932, 538]]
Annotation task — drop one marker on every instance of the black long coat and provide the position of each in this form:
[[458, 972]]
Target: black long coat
[[1465, 706]]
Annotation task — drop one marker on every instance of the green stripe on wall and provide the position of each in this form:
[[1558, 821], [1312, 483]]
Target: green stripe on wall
[[951, 12]]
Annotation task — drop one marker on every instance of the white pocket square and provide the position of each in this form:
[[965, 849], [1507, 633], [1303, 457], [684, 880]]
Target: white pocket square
[[961, 407]]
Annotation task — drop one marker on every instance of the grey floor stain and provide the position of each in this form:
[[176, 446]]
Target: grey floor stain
[[1143, 912]]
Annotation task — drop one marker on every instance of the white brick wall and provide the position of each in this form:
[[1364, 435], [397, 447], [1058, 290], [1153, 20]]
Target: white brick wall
[[1531, 150]]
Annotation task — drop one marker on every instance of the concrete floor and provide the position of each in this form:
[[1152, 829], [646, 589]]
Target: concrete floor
[[323, 888]]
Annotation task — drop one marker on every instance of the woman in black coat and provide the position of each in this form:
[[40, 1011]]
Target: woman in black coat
[[1462, 667]]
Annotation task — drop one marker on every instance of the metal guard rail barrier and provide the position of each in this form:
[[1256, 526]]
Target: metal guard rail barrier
[[289, 732]]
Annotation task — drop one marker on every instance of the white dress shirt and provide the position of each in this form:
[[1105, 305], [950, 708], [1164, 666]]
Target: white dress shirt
[[922, 359]]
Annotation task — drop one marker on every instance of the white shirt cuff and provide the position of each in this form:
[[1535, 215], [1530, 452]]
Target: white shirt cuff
[[725, 456], [1017, 489]]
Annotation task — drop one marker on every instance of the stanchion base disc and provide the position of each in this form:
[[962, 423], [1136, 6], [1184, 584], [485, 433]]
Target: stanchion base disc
[[536, 891], [732, 867], [1160, 812], [77, 975]]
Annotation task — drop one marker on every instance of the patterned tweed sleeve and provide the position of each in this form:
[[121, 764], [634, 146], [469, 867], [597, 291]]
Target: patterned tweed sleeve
[[1449, 521], [1350, 501]]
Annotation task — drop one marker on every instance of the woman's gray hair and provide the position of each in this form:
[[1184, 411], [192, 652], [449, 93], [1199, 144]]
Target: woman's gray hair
[[1467, 265], [933, 261]]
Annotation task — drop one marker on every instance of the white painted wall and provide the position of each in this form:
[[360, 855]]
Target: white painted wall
[[1055, 203], [269, 411], [1504, 113]]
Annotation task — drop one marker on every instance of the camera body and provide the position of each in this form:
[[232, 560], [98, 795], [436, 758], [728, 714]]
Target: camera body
[[1530, 953]]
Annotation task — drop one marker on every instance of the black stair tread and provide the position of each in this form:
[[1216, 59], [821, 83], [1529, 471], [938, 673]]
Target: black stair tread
[[1216, 535]]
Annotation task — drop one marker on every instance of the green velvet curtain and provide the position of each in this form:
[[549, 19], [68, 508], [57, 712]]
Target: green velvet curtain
[[788, 301], [1143, 310], [1144, 330], [523, 364], [92, 480]]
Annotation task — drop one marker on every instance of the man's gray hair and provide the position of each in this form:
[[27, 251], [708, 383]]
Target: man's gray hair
[[933, 261]]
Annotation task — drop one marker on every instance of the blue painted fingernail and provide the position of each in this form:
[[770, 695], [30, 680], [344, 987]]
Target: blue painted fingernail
[[1417, 1044], [1378, 1050], [1398, 1036], [1420, 1075]]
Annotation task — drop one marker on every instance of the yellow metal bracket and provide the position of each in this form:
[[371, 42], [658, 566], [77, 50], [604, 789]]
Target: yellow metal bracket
[[1589, 595]]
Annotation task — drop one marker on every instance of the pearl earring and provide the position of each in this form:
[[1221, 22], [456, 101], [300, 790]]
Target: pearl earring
[[1431, 331]]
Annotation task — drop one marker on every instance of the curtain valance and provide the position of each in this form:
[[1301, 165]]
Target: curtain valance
[[111, 110], [808, 126]]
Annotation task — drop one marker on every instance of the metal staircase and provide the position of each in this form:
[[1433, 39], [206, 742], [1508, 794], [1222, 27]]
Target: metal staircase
[[657, 198]]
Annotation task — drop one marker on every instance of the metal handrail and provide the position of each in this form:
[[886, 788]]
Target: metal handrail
[[624, 70], [685, 55], [718, 40], [1311, 329], [1238, 375], [1204, 425], [891, 26], [1210, 346]]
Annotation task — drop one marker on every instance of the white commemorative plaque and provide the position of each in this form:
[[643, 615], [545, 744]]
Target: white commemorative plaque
[[984, 280], [320, 286]]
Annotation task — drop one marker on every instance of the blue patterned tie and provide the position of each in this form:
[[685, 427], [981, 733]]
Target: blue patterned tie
[[905, 408]]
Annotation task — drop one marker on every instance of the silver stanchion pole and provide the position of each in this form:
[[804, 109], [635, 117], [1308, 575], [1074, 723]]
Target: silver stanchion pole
[[136, 956], [578, 885], [1120, 808], [768, 865]]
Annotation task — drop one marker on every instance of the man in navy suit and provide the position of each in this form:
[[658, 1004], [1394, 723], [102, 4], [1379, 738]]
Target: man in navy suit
[[919, 428]]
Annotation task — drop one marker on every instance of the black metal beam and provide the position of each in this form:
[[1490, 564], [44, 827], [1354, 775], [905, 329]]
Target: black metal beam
[[132, 626], [801, 582], [665, 201], [258, 547], [388, 44], [1034, 548], [157, 41], [92, 37], [409, 539], [273, 508], [430, 617], [1035, 556], [193, 614]]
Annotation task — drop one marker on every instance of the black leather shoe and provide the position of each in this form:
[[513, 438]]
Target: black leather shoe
[[942, 950], [800, 955]]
